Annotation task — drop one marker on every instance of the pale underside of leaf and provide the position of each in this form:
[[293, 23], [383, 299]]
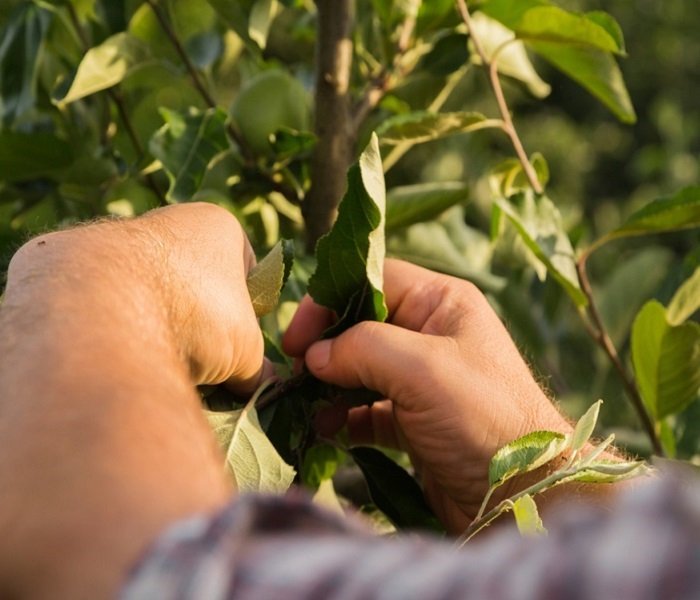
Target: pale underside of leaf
[[266, 280], [419, 127], [686, 300], [527, 516], [584, 427], [538, 222]]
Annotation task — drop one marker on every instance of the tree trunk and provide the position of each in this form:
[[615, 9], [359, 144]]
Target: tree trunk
[[333, 125]]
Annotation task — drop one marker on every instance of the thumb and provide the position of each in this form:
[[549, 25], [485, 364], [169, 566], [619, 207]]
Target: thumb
[[379, 356]]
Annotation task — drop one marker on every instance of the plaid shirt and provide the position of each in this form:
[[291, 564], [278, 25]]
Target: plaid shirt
[[266, 548]]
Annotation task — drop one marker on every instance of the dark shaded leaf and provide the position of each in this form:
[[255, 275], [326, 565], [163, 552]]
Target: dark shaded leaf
[[185, 146], [394, 491], [350, 272]]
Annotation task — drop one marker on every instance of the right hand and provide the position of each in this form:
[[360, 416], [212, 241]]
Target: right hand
[[457, 387]]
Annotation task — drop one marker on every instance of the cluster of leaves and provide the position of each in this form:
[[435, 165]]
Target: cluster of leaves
[[112, 108]]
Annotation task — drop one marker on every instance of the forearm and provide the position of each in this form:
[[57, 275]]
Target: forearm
[[103, 443]]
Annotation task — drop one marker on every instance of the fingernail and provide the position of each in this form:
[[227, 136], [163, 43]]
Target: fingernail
[[319, 355]]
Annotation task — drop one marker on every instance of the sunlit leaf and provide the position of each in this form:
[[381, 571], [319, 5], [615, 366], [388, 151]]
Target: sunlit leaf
[[421, 126], [349, 275], [326, 497], [539, 20], [508, 177], [686, 300], [525, 454], [608, 472], [394, 491], [105, 66], [261, 16], [538, 222], [250, 456], [527, 518], [320, 464], [673, 213], [666, 361], [267, 278], [499, 44], [585, 426], [185, 146]]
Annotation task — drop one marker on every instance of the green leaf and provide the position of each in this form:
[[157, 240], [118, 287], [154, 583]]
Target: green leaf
[[686, 300], [527, 518], [537, 20], [105, 66], [411, 204], [185, 146], [320, 464], [508, 177], [21, 41], [326, 497], [394, 491], [250, 456], [29, 155], [288, 143], [595, 70], [267, 278], [421, 126], [448, 54], [512, 60], [674, 213], [608, 472], [236, 13], [666, 361], [525, 454], [585, 426], [349, 275], [538, 222], [261, 16]]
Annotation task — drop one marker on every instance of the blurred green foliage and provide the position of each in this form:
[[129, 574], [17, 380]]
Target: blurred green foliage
[[68, 154]]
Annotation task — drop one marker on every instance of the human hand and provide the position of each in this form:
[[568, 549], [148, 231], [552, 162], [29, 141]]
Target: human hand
[[186, 264], [458, 388]]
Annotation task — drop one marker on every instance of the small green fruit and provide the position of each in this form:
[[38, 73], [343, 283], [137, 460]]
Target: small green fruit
[[267, 102]]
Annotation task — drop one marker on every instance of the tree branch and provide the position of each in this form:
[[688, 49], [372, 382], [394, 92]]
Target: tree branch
[[118, 101], [383, 82], [336, 139], [508, 126], [598, 332], [194, 75]]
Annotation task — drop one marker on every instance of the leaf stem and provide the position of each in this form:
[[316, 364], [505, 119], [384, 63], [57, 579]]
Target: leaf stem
[[508, 127], [598, 332]]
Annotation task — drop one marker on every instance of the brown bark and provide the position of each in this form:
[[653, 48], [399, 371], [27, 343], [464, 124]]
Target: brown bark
[[333, 124]]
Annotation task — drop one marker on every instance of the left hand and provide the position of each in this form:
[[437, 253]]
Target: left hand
[[188, 263]]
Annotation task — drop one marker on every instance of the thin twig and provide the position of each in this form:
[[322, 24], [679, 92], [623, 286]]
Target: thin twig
[[171, 34], [382, 83], [597, 330], [508, 126], [118, 101]]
